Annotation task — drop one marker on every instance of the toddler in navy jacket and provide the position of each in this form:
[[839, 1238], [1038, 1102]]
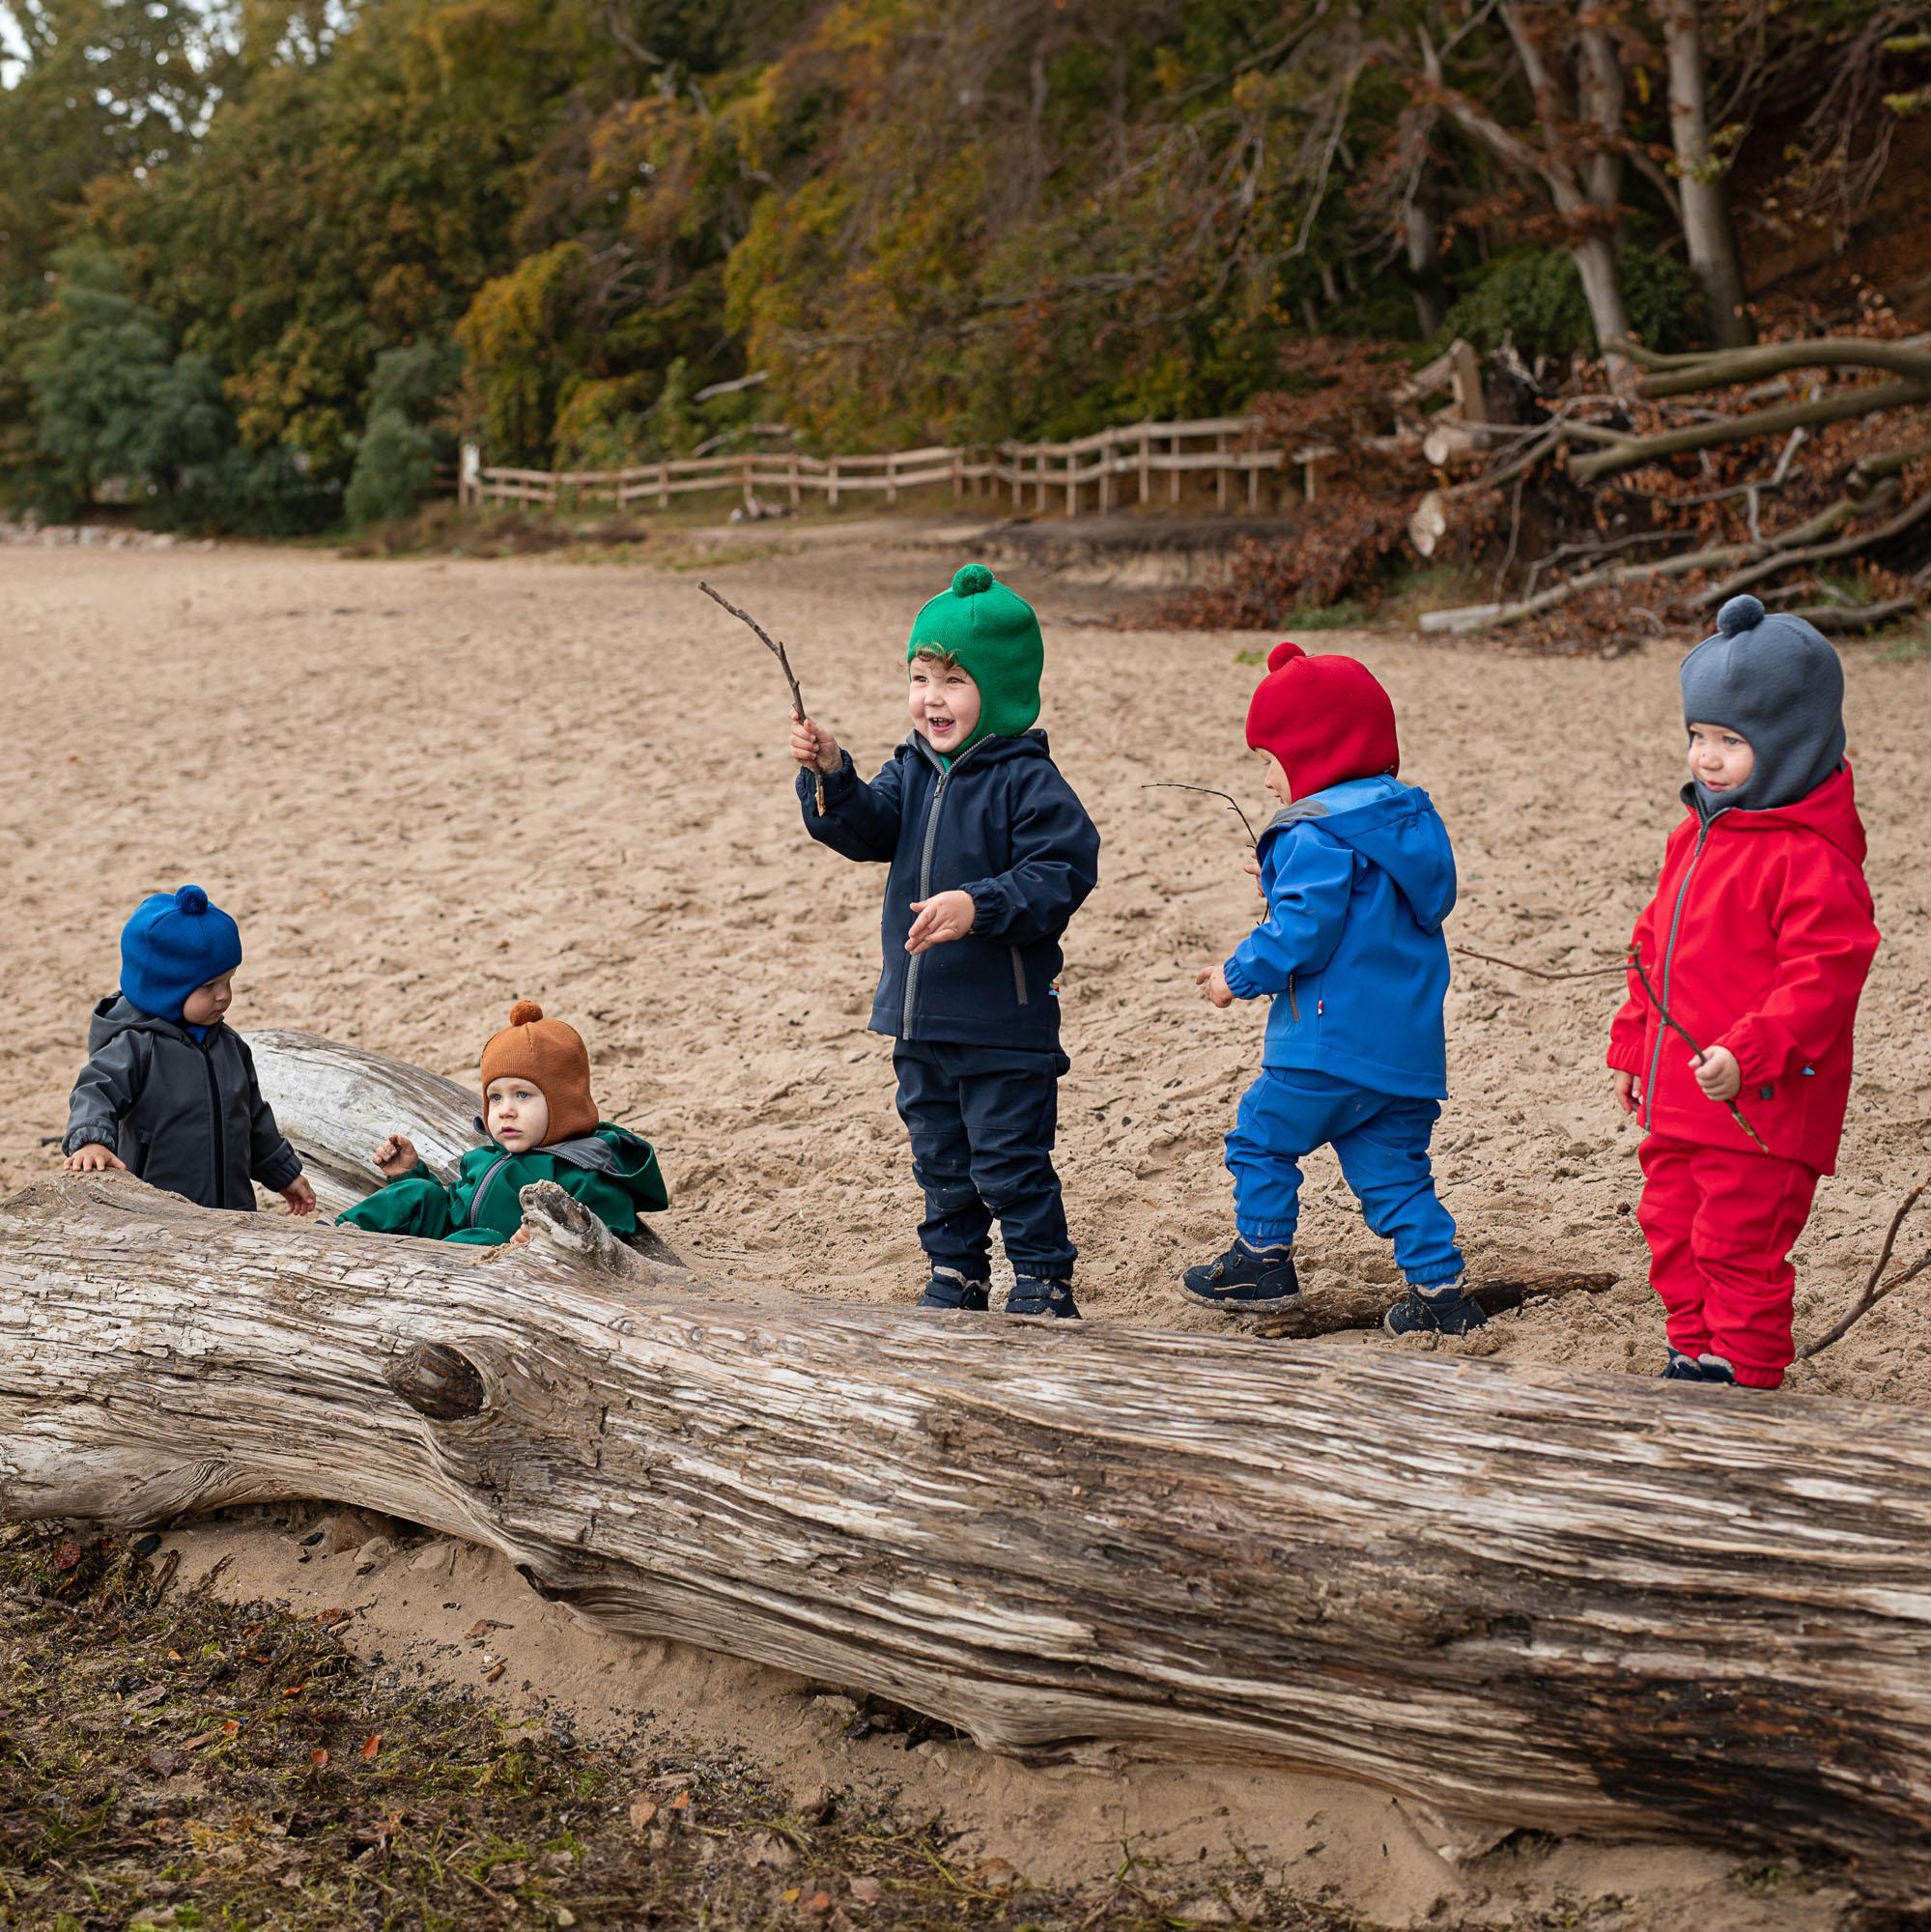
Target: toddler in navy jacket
[[1358, 876], [991, 855]]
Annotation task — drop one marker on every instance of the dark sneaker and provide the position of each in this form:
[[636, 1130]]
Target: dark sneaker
[[949, 1289], [1445, 1310], [1682, 1368], [1715, 1368], [1244, 1280], [1028, 1294]]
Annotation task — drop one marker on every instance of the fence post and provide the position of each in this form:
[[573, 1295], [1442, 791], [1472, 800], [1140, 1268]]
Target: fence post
[[468, 477], [1174, 475], [664, 485], [958, 481], [1220, 471], [791, 479], [1254, 487], [832, 493], [891, 477], [1146, 468], [1106, 474], [1307, 480]]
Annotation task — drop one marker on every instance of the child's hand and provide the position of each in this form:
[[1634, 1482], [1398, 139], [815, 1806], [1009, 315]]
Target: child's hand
[[943, 916], [90, 1157], [1629, 1090], [1718, 1072], [396, 1157], [300, 1196], [813, 746], [1218, 992]]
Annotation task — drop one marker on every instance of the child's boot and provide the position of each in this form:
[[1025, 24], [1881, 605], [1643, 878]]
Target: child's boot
[[1245, 1280], [1444, 1309], [1711, 1368], [1681, 1368], [949, 1289], [1035, 1294]]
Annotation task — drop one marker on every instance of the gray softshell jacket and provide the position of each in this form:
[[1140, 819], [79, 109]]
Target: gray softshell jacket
[[185, 1116]]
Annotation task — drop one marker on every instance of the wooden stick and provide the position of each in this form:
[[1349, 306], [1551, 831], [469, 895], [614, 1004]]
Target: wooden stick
[[1875, 1289], [1668, 1019], [776, 650], [1537, 972], [1173, 784]]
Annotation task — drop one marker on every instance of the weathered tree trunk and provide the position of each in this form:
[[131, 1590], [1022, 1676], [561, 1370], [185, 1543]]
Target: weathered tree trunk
[[1702, 178], [1570, 1601]]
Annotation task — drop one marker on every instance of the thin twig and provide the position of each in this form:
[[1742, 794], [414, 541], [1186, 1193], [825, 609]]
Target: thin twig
[[776, 650], [1669, 1020], [1173, 784], [1875, 1288], [1538, 972]]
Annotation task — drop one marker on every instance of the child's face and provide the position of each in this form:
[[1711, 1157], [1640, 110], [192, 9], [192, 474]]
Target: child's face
[[1719, 760], [943, 703], [1276, 777], [516, 1114], [208, 1002]]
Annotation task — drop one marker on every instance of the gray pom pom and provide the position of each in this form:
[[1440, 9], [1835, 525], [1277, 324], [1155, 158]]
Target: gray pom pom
[[1740, 613]]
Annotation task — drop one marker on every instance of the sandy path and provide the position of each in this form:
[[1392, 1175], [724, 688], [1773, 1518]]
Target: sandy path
[[429, 788]]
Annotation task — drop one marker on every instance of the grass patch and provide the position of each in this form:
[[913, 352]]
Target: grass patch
[[168, 1759]]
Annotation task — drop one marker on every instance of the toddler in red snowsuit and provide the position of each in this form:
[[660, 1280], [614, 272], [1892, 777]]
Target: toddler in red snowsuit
[[1756, 944]]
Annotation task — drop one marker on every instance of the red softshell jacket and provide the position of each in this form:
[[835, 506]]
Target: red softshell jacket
[[1758, 939]]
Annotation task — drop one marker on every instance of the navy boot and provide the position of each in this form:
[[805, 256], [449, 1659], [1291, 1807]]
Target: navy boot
[[1034, 1294], [1244, 1280], [1447, 1309], [949, 1289]]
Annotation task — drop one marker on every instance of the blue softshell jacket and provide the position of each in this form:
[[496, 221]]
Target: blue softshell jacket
[[1358, 880], [1000, 823]]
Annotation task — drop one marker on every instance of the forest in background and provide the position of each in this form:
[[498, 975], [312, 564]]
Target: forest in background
[[259, 264]]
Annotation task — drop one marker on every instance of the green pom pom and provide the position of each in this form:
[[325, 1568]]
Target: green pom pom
[[972, 579]]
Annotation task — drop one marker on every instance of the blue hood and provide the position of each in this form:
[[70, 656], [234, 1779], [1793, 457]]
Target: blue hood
[[1358, 880]]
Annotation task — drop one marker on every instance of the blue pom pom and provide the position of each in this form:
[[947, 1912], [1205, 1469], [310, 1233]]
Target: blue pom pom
[[191, 899], [1740, 613], [971, 580]]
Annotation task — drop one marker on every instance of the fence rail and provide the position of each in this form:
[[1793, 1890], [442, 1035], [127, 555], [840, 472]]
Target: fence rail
[[1100, 472]]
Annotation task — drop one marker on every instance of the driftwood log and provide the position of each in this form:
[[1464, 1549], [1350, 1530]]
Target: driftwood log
[[1577, 1602]]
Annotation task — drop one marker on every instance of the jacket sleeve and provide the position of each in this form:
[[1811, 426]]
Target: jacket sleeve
[[1826, 939], [1306, 909], [1630, 1027], [271, 1159], [1055, 864], [109, 1085], [859, 820]]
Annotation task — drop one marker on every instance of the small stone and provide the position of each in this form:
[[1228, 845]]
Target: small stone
[[351, 1528], [999, 1874], [817, 1804], [373, 1554], [867, 1890], [437, 1559], [834, 1709], [1206, 1910]]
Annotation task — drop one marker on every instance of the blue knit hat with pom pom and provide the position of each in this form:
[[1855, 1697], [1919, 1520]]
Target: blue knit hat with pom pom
[[174, 943], [1775, 681]]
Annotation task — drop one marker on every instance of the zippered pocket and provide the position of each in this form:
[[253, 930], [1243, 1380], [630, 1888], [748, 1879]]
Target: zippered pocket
[[1019, 975], [1294, 1005]]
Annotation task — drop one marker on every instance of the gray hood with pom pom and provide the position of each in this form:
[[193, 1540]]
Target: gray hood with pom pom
[[1776, 681]]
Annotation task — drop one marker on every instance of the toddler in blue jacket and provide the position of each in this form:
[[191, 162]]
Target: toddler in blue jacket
[[990, 854], [1358, 876]]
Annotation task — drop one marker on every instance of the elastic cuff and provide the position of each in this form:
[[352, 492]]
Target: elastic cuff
[[1758, 1379], [1266, 1233], [838, 783], [1753, 1064], [1237, 981], [1437, 1276], [90, 1135], [1619, 1062], [985, 906]]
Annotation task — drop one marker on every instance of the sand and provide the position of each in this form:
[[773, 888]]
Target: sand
[[429, 788]]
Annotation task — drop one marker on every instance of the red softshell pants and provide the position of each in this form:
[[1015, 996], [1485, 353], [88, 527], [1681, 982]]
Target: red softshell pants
[[1721, 1224]]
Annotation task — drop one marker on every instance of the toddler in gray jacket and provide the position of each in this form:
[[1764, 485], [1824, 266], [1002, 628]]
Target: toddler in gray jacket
[[169, 1092]]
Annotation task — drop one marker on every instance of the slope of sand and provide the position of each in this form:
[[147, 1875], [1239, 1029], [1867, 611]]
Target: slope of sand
[[429, 788]]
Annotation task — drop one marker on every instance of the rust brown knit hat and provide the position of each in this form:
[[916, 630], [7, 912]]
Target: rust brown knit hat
[[553, 1059]]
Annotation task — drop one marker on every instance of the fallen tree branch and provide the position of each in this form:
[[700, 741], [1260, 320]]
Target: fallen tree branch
[[1687, 374], [1906, 519], [776, 650], [1875, 1288], [1560, 1600]]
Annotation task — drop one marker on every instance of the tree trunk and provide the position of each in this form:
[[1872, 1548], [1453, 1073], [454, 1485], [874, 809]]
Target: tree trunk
[[1425, 279], [1567, 1601], [1707, 228]]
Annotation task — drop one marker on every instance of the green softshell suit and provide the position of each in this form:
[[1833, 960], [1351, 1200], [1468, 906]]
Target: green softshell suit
[[614, 1172]]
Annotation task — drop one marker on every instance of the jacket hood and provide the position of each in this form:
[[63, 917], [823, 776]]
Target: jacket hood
[[1829, 810], [986, 751], [117, 1014], [614, 1151], [1393, 826]]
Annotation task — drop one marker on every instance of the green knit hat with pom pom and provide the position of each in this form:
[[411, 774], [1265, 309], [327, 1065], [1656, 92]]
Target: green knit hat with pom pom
[[994, 634]]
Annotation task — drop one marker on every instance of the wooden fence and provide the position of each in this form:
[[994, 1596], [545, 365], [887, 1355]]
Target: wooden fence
[[1100, 472]]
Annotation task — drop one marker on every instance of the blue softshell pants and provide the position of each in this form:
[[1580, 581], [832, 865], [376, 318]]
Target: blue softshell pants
[[982, 1120], [1381, 1142]]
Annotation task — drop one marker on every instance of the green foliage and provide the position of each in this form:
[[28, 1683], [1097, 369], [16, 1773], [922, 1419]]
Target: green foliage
[[396, 468], [1535, 296]]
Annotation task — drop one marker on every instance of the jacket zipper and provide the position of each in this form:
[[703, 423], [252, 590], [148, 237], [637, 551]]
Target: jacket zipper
[[925, 865], [220, 1139], [1668, 956], [1294, 1005], [483, 1188]]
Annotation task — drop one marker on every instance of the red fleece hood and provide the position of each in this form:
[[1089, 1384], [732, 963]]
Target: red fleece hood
[[1830, 812], [1326, 719]]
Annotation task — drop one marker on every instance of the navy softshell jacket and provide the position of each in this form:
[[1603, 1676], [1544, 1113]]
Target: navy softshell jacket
[[1001, 824]]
